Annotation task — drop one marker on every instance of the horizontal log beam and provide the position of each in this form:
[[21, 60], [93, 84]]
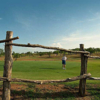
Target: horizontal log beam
[[46, 47], [97, 57], [93, 78], [1, 41], [46, 81]]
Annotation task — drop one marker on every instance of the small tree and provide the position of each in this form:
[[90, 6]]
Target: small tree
[[16, 55], [56, 52], [61, 52], [49, 53], [40, 53], [76, 49], [1, 52], [97, 50], [91, 50], [29, 53]]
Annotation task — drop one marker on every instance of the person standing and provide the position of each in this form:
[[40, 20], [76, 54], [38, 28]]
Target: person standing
[[64, 58]]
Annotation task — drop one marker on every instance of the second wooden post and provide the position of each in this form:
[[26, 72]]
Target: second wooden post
[[82, 84]]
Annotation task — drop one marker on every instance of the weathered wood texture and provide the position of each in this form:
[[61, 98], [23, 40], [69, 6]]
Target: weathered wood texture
[[1, 41], [46, 81], [96, 57], [82, 84], [46, 47], [93, 78], [7, 67]]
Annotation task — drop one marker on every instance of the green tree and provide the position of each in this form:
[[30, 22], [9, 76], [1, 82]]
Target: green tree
[[13, 53], [1, 52], [76, 49], [91, 50], [41, 53], [29, 53], [97, 50], [49, 53], [16, 55], [56, 52]]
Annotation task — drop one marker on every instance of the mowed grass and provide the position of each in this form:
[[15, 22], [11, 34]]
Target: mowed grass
[[43, 70], [48, 70]]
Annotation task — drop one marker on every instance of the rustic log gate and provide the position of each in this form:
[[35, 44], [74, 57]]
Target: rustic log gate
[[9, 61]]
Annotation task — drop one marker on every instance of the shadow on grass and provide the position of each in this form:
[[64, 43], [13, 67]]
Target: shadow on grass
[[30, 94], [70, 93], [94, 91]]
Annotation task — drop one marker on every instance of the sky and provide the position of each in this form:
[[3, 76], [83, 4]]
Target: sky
[[56, 23]]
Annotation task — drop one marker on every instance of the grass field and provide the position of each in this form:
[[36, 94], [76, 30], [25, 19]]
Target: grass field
[[48, 70]]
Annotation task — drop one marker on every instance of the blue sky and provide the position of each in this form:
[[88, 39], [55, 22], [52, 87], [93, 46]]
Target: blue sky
[[61, 23]]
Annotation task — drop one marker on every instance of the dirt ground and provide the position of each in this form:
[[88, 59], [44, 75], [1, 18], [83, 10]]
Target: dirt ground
[[44, 91]]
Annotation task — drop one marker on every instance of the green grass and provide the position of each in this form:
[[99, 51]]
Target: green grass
[[94, 67], [48, 70], [94, 90], [45, 70]]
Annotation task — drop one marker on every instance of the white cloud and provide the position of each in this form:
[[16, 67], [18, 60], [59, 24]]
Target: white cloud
[[56, 45], [0, 18], [81, 38], [89, 39], [80, 35]]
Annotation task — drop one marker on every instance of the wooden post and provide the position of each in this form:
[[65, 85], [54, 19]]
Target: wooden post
[[7, 67], [82, 84]]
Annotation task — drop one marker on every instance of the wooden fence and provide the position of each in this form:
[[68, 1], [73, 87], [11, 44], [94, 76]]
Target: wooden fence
[[9, 61]]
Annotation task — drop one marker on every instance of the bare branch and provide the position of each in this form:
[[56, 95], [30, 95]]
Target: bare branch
[[45, 81], [1, 41]]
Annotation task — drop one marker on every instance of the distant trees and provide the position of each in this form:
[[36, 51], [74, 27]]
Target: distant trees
[[76, 49], [91, 50], [59, 52], [97, 50], [56, 52], [44, 53], [1, 52], [29, 53], [49, 53], [15, 55], [41, 53]]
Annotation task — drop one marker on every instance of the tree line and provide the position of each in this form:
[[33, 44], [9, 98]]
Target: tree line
[[91, 50], [17, 55]]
